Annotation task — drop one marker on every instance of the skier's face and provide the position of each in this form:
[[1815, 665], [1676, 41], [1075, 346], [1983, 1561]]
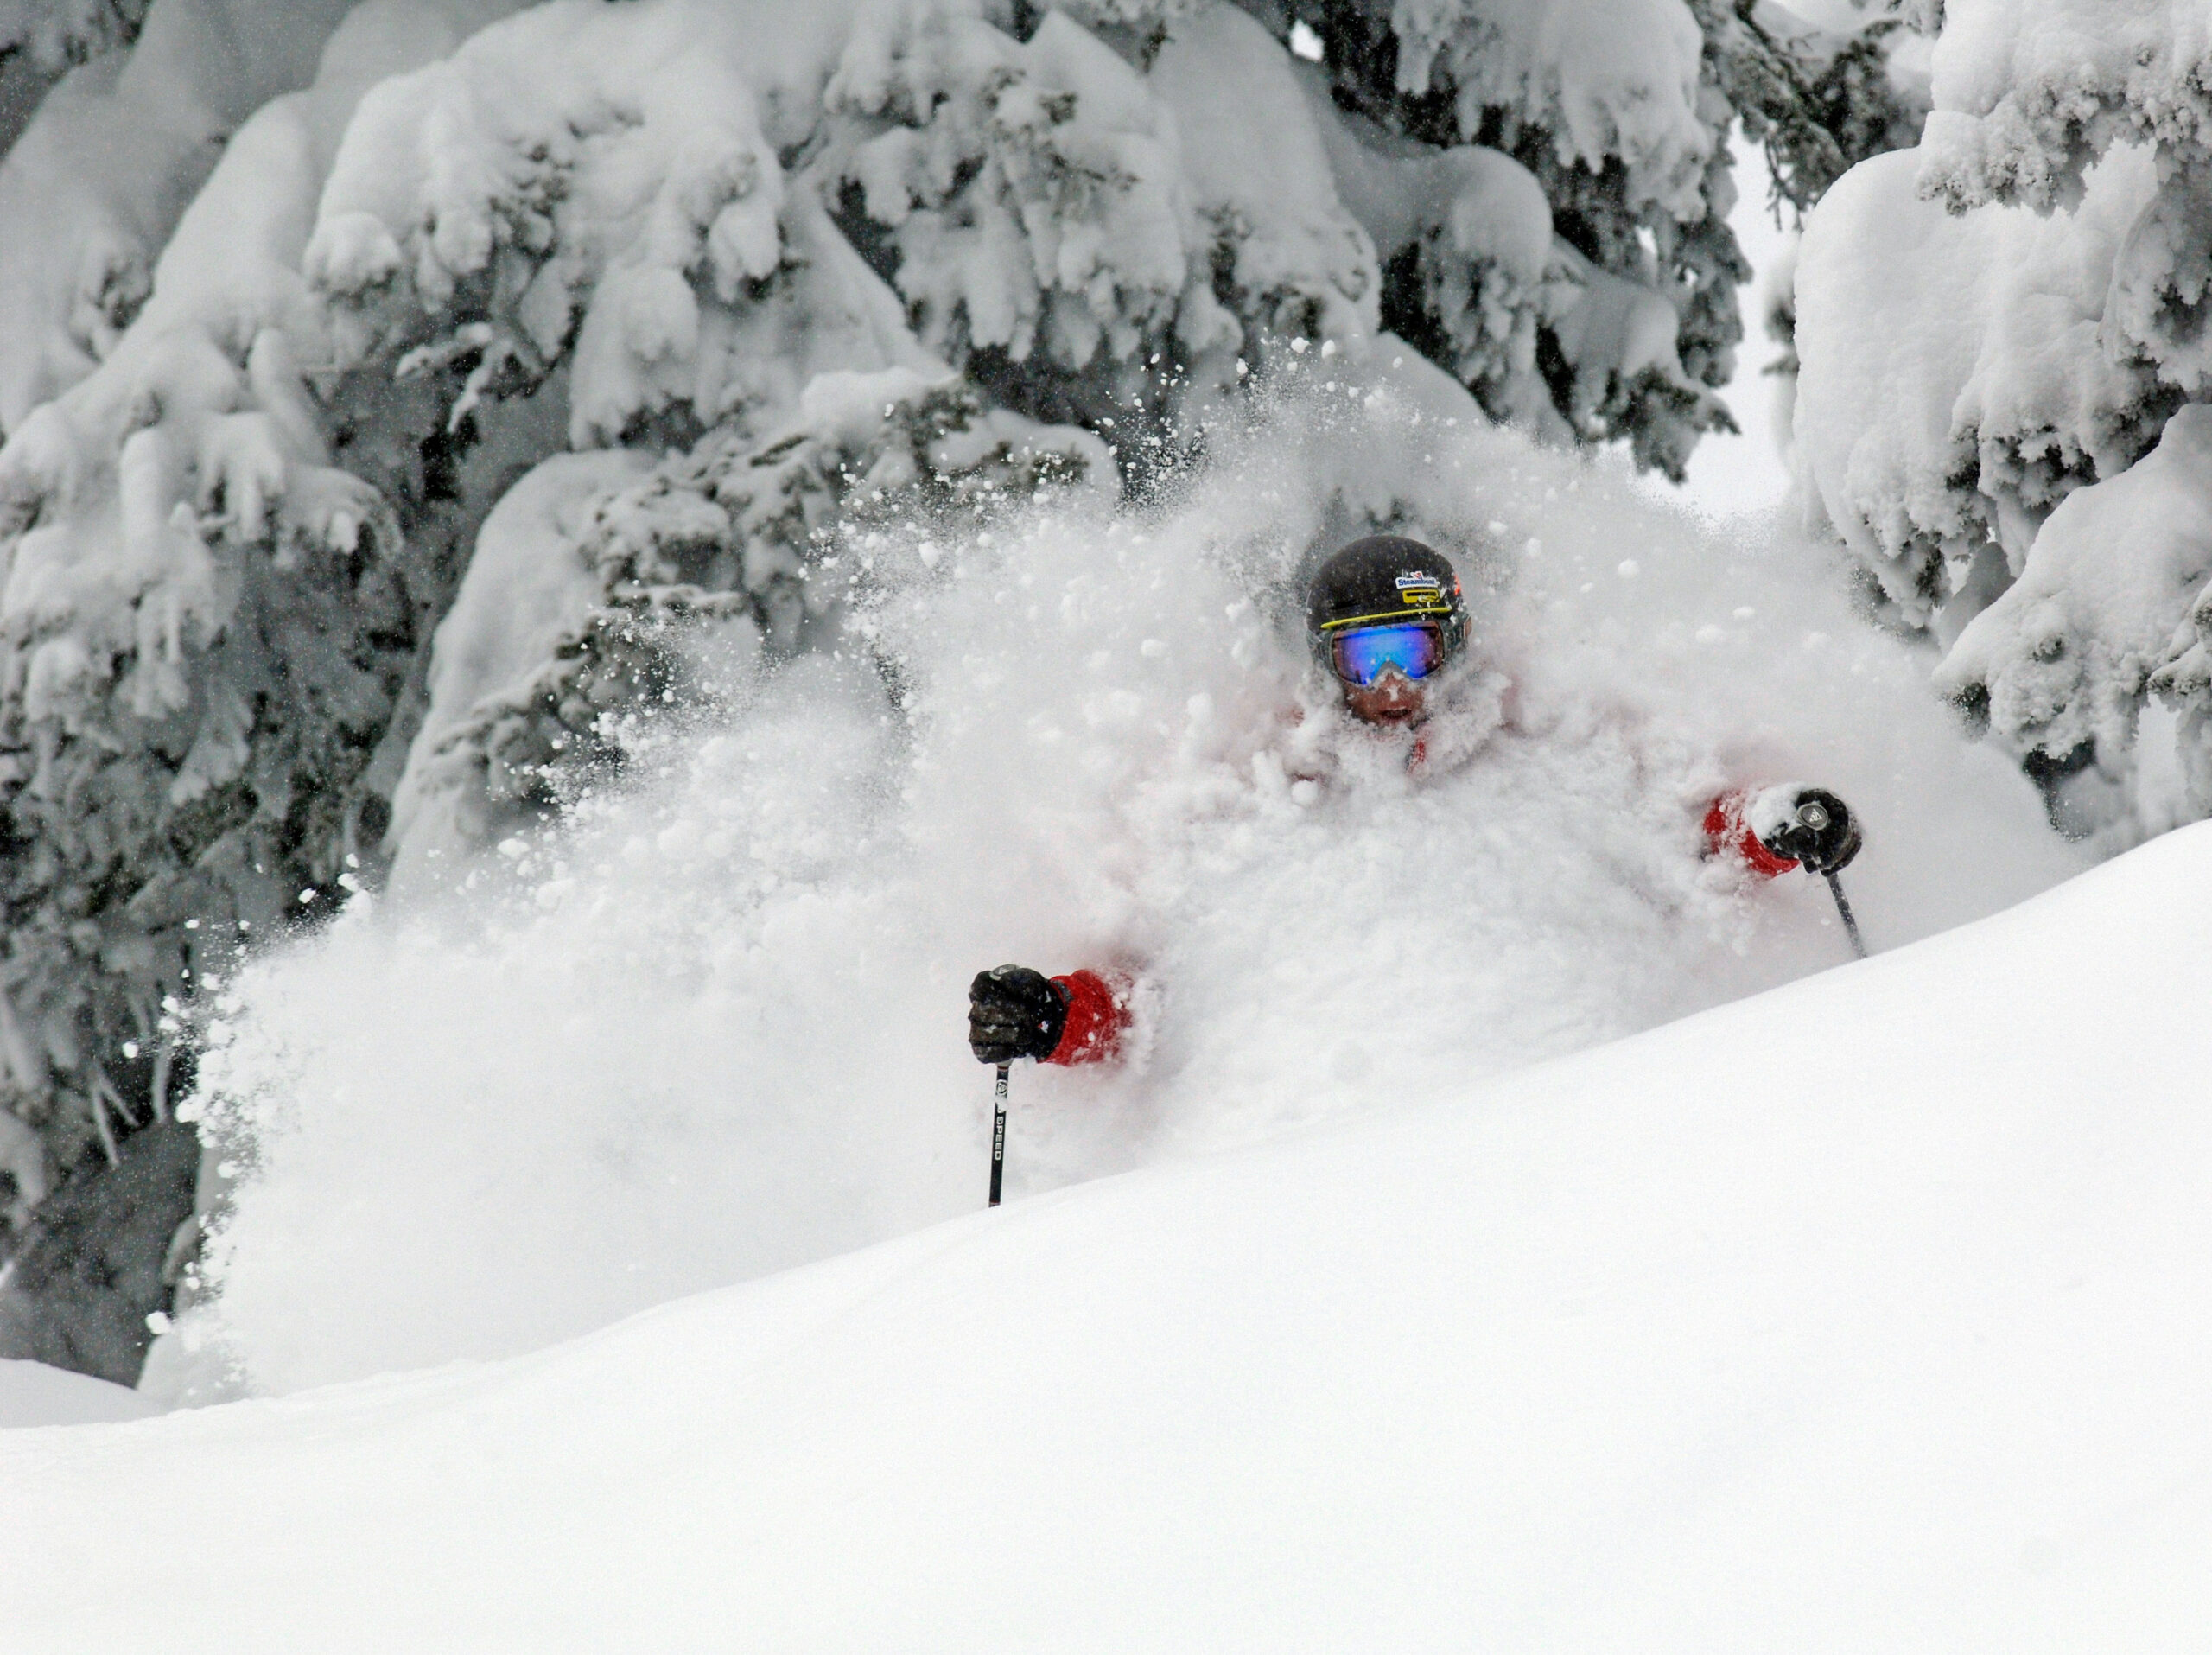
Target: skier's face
[[1393, 700]]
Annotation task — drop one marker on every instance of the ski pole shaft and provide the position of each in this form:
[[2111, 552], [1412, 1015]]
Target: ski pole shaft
[[1843, 907], [998, 1137]]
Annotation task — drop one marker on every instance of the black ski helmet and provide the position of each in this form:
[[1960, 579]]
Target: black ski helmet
[[1379, 580]]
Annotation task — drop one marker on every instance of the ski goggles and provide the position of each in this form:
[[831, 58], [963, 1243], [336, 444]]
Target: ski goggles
[[1362, 656]]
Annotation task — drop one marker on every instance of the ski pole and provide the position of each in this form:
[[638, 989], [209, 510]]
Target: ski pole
[[1813, 816], [1836, 889], [998, 1132]]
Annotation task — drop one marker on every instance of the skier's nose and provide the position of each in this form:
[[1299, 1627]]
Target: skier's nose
[[1393, 681]]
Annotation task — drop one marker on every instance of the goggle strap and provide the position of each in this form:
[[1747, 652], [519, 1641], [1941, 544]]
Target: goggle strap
[[1412, 613]]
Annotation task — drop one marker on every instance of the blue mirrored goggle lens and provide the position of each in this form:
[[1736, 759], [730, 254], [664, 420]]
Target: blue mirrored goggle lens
[[1363, 655]]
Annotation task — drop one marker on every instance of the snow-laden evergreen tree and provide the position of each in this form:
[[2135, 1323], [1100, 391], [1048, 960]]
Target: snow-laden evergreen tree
[[2004, 349], [395, 392]]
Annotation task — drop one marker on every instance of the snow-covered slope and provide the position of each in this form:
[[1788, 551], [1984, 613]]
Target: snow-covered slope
[[1867, 1314]]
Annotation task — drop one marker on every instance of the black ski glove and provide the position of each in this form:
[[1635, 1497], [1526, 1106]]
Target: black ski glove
[[1014, 1012], [1819, 832]]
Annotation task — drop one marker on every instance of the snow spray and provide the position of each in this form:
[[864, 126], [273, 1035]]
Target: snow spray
[[600, 1071]]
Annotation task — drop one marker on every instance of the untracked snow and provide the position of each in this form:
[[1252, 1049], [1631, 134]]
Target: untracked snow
[[715, 1027], [1864, 1314]]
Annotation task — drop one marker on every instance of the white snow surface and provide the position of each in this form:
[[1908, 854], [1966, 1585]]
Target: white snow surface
[[1865, 1313], [715, 1029], [33, 1394]]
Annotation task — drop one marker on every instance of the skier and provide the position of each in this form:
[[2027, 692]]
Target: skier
[[1387, 620]]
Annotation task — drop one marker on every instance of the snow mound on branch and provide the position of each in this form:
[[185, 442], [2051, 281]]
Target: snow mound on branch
[[713, 1027], [1490, 266], [1608, 78], [1033, 190], [577, 168], [59, 33], [1956, 377], [1259, 169], [91, 191], [1818, 1321], [2029, 93], [2062, 660], [87, 196], [205, 401]]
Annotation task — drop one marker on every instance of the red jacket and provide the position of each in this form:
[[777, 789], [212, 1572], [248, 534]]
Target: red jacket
[[1098, 1007], [1098, 1013], [1727, 833]]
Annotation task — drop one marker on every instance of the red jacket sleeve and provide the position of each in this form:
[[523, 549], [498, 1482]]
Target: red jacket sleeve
[[1728, 834], [1097, 1016]]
